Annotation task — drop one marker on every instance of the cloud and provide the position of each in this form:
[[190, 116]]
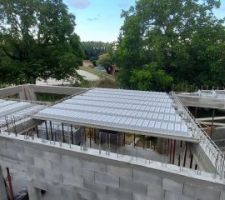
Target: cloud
[[94, 18], [79, 4]]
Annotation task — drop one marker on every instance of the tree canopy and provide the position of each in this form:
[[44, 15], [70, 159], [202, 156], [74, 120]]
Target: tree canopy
[[37, 40], [93, 50], [171, 42], [105, 60]]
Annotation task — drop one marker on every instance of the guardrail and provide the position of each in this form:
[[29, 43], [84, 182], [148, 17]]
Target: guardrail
[[215, 155]]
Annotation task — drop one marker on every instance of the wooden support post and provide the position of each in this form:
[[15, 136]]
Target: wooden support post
[[100, 141], [63, 136], [171, 150], [134, 140], [94, 131], [51, 133], [37, 131], [181, 144], [9, 179], [46, 130], [90, 136], [174, 151], [71, 132], [85, 136], [179, 160], [117, 143], [168, 147], [109, 141], [196, 166], [185, 155], [144, 142], [191, 161]]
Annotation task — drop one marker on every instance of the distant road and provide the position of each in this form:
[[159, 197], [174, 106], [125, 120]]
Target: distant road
[[87, 75], [51, 81]]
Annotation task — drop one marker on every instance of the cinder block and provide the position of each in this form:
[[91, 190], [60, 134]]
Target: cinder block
[[172, 186], [126, 184], [37, 173], [35, 152], [155, 192], [53, 192], [147, 178], [118, 193], [106, 180], [84, 194], [69, 179], [89, 176], [105, 196], [41, 162], [85, 174], [11, 153], [77, 163], [77, 166], [68, 193], [16, 147], [67, 164], [200, 192], [53, 177], [28, 160], [98, 188], [40, 184], [172, 196], [119, 171], [187, 198], [222, 195], [139, 197], [53, 156], [93, 166]]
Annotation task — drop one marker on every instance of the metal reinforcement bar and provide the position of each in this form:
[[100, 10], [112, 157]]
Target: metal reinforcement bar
[[215, 155]]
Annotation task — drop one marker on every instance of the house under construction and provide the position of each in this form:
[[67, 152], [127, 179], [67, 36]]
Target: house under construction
[[106, 144]]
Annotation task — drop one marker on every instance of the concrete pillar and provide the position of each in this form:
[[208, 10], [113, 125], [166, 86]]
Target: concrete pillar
[[3, 193], [21, 95], [27, 93]]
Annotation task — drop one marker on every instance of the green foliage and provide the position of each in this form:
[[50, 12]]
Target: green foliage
[[105, 60], [37, 40], [151, 77], [93, 50], [170, 42]]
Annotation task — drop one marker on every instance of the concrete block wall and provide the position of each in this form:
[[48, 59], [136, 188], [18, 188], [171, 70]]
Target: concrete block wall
[[70, 175]]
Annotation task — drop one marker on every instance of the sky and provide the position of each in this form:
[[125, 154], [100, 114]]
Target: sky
[[99, 20]]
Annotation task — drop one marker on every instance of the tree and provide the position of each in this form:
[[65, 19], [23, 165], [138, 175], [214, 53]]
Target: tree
[[150, 78], [182, 39], [37, 40], [93, 50], [105, 60]]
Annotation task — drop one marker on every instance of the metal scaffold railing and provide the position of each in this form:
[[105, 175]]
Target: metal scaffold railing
[[213, 152]]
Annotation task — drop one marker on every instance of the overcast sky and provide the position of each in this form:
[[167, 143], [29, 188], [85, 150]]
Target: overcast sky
[[99, 20]]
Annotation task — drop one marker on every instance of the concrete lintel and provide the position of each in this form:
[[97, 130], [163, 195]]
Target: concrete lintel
[[8, 91], [57, 89]]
